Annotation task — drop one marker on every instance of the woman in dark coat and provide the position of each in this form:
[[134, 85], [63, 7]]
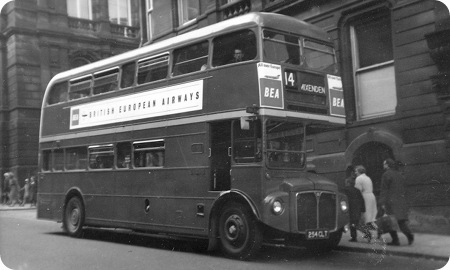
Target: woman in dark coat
[[393, 199], [355, 201]]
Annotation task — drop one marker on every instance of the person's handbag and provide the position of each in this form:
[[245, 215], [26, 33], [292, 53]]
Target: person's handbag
[[387, 223]]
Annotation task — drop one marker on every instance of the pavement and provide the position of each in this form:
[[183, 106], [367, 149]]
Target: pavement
[[429, 246]]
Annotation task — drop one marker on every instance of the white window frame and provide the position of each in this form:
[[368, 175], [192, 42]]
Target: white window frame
[[78, 11], [149, 13], [381, 100], [129, 21], [182, 10]]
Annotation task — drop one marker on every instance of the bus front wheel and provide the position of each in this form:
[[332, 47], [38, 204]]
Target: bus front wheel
[[240, 233], [74, 217]]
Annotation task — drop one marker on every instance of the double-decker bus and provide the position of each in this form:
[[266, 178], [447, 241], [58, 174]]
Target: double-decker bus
[[182, 139]]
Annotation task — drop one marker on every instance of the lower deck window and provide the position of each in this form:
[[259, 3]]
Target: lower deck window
[[76, 158], [101, 156], [149, 154]]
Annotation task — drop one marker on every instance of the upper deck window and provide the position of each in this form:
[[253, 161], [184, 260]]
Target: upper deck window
[[128, 75], [79, 88], [318, 56], [153, 69], [281, 48], [234, 47], [285, 48], [58, 93], [190, 58], [106, 81]]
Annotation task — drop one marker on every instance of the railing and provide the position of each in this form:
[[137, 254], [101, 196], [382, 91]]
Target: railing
[[92, 26], [125, 30], [236, 9], [82, 24]]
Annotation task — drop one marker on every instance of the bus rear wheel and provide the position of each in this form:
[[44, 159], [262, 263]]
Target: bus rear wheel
[[73, 220], [240, 234]]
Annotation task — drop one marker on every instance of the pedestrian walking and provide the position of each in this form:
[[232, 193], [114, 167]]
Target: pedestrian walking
[[5, 198], [364, 184], [26, 192], [13, 188], [355, 201], [33, 190], [394, 201]]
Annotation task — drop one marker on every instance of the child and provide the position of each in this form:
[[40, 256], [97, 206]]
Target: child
[[26, 192]]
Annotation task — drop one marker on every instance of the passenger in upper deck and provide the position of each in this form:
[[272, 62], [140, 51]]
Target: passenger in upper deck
[[238, 55]]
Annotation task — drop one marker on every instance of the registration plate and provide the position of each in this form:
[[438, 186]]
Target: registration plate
[[317, 234]]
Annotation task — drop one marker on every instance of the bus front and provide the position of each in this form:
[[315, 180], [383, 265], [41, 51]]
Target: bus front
[[300, 95]]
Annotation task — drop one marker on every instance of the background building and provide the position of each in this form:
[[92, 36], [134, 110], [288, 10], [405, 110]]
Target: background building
[[40, 38], [394, 57], [394, 60]]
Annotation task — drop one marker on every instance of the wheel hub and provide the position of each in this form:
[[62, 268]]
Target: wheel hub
[[74, 216], [233, 227]]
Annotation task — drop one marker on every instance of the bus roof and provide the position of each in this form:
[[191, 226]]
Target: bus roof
[[269, 20]]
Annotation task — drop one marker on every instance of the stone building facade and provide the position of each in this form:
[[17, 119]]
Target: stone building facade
[[38, 39], [394, 61]]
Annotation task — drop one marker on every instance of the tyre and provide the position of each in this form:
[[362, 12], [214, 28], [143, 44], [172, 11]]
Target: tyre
[[240, 233], [73, 220]]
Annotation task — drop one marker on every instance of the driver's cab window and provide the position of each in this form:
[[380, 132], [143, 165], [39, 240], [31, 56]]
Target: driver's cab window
[[285, 143], [247, 142]]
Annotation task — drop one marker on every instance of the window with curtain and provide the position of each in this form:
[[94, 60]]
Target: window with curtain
[[373, 65], [80, 9]]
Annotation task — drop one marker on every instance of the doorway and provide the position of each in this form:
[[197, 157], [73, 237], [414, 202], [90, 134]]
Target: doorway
[[220, 159], [371, 155]]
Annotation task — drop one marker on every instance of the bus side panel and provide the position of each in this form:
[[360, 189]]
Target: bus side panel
[[98, 191], [249, 180], [234, 87], [49, 204], [167, 200]]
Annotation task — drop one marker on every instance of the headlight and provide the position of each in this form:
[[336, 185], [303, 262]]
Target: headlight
[[344, 206], [277, 207]]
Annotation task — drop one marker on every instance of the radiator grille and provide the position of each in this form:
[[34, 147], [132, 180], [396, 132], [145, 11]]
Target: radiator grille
[[316, 210]]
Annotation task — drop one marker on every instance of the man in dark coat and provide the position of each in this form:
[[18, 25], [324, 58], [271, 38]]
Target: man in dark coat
[[355, 201], [393, 199]]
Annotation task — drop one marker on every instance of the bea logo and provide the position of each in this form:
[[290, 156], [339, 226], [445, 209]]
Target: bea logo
[[75, 117], [270, 92]]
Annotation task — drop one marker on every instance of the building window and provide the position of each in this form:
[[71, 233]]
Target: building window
[[373, 65], [188, 10], [120, 12], [159, 17], [80, 9]]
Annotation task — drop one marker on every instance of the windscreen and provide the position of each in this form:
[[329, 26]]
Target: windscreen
[[285, 144]]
